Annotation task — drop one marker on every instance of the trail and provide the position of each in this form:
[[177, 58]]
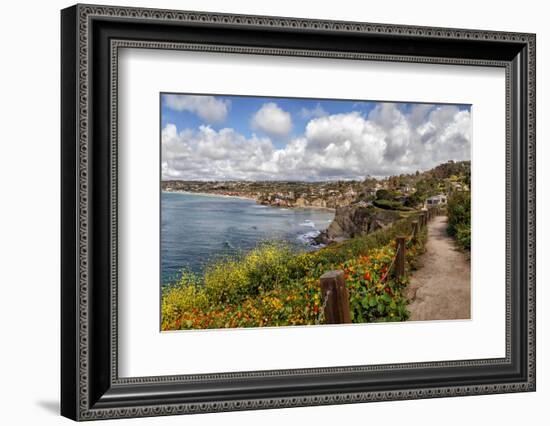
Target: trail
[[440, 289]]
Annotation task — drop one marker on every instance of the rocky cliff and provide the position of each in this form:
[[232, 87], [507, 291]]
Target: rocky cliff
[[354, 221]]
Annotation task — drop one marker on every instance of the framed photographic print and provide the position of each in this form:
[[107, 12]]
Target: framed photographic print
[[263, 212]]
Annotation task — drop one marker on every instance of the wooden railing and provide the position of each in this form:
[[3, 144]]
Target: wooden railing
[[335, 296]]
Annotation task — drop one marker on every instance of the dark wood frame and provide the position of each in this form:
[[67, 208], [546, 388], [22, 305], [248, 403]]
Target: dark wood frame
[[91, 37]]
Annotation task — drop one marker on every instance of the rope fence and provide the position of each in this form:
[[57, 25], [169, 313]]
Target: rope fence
[[322, 310]]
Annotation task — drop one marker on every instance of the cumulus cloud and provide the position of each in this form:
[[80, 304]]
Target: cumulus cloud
[[318, 111], [209, 154], [272, 120], [340, 146], [208, 108]]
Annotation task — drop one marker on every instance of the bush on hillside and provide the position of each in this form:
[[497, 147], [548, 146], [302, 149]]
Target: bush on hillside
[[414, 200], [390, 205], [459, 222]]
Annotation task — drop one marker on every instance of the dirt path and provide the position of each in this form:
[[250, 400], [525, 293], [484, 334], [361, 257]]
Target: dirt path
[[440, 289]]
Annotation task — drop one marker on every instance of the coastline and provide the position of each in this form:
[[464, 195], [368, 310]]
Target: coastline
[[210, 194], [243, 197]]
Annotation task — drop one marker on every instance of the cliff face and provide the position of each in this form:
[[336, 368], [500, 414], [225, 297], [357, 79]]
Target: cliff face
[[302, 202], [328, 202], [299, 202], [354, 221]]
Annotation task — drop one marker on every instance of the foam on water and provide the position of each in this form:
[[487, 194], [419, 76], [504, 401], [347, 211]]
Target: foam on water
[[308, 237]]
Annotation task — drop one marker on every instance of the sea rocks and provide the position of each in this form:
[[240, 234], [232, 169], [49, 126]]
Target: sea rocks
[[354, 221]]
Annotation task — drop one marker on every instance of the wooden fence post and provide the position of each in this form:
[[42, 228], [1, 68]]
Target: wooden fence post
[[414, 231], [334, 288], [400, 257]]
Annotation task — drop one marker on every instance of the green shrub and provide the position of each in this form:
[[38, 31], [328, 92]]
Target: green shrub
[[261, 269], [414, 200], [388, 204], [375, 295], [184, 296], [383, 194], [463, 235], [458, 212]]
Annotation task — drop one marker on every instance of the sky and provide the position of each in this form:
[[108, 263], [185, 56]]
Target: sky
[[206, 137]]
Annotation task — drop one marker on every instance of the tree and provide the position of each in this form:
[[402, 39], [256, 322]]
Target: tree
[[383, 194], [414, 200]]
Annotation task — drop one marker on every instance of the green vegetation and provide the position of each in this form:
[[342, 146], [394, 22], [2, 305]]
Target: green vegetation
[[459, 225], [390, 205], [383, 194], [373, 298], [274, 286], [414, 200]]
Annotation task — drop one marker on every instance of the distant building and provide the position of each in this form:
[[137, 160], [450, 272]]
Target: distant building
[[369, 192], [363, 203], [436, 200], [351, 193], [406, 189]]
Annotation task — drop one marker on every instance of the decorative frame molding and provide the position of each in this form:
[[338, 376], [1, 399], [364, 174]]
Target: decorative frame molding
[[91, 37]]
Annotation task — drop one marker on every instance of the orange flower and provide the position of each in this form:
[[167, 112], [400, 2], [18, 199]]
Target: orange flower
[[367, 276]]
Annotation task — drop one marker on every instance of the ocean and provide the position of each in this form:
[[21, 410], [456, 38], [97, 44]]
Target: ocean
[[197, 228]]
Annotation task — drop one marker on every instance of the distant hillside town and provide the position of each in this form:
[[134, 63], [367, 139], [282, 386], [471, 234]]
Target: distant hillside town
[[400, 192]]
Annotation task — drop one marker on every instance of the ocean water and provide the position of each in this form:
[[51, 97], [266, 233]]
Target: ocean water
[[198, 228]]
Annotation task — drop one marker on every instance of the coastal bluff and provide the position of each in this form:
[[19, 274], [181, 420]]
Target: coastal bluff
[[353, 221]]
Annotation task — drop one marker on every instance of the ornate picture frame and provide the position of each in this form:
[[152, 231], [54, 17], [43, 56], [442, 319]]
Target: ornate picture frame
[[90, 40]]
